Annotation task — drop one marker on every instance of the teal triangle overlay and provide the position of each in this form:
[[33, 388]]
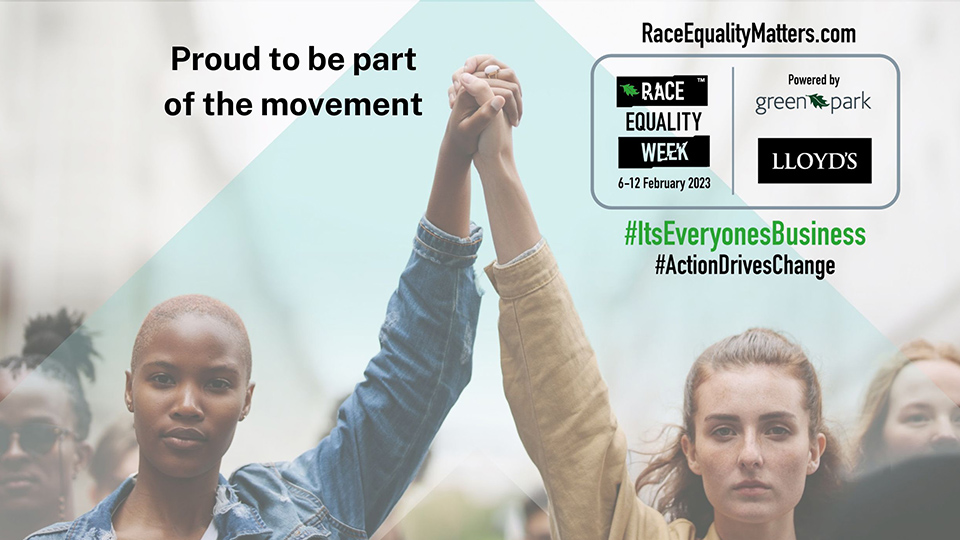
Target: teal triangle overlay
[[308, 241]]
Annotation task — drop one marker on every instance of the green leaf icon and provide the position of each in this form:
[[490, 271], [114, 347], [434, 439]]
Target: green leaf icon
[[817, 101], [629, 90]]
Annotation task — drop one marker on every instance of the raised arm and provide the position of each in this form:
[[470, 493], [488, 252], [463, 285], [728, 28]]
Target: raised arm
[[512, 223], [551, 378], [355, 476], [449, 204]]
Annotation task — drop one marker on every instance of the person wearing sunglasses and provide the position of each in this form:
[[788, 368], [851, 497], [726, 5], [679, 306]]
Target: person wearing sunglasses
[[44, 422]]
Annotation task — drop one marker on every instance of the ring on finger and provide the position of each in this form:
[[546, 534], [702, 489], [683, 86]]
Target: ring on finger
[[492, 71]]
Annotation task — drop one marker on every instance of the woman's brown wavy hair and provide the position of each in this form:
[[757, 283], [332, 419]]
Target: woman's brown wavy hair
[[679, 492]]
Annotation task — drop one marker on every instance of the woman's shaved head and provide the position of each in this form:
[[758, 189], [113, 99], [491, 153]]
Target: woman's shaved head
[[193, 304]]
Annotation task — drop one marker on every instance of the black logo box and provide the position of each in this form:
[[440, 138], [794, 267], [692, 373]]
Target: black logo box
[[814, 161], [694, 91], [630, 153]]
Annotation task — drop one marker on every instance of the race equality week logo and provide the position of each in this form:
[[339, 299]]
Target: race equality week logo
[[675, 91], [744, 131]]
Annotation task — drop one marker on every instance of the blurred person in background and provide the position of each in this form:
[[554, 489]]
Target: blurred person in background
[[44, 423], [912, 407], [115, 458], [536, 522]]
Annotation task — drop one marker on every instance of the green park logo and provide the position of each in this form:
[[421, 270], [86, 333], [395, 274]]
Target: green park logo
[[813, 102]]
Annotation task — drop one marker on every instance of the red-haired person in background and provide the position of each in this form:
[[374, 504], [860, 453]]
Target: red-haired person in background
[[912, 407]]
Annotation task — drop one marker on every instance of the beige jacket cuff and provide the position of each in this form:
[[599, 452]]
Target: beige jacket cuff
[[524, 276]]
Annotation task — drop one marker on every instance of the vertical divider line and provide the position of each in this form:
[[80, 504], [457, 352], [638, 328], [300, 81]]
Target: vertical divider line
[[733, 131]]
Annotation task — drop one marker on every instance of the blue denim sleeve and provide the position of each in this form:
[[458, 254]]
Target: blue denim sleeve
[[385, 427]]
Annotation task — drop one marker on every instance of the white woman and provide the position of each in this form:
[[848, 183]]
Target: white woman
[[912, 407], [753, 458]]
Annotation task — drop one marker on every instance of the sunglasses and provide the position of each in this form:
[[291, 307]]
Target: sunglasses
[[35, 438]]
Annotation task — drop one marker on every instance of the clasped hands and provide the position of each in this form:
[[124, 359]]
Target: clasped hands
[[479, 93]]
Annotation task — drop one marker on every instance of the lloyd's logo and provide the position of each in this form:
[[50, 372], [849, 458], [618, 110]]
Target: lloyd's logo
[[814, 161]]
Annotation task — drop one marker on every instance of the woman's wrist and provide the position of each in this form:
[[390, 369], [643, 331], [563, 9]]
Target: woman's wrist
[[449, 204], [496, 165], [453, 155]]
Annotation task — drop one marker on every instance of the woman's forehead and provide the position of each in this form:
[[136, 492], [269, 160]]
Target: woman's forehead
[[194, 340], [750, 392], [194, 336], [937, 379]]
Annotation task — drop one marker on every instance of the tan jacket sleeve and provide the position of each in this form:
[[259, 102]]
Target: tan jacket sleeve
[[560, 405]]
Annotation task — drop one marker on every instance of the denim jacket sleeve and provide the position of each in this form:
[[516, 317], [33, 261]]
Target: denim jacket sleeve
[[385, 427]]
